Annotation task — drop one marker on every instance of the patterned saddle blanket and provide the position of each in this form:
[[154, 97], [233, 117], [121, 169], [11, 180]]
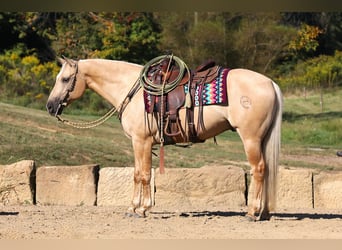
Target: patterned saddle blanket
[[211, 93]]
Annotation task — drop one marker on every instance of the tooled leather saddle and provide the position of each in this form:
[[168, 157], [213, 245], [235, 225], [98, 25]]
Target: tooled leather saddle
[[167, 106]]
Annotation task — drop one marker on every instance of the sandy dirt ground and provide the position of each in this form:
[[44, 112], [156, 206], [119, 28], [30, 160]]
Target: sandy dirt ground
[[92, 222], [95, 222]]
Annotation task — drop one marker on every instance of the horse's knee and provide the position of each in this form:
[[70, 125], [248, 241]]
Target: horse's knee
[[258, 172], [143, 177], [146, 179], [137, 176]]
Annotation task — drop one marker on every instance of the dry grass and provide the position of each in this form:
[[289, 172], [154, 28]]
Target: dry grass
[[33, 134]]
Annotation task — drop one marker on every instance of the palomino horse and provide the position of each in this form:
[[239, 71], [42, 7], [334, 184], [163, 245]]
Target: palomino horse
[[254, 111]]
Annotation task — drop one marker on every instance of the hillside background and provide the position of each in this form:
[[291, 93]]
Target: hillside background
[[301, 51]]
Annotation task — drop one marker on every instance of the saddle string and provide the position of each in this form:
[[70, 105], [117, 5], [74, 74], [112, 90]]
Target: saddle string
[[161, 153]]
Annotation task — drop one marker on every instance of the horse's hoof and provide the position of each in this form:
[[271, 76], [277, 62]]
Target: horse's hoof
[[260, 217], [264, 216], [140, 212], [132, 215], [250, 217]]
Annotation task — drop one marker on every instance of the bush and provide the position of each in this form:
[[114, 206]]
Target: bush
[[319, 72], [24, 79]]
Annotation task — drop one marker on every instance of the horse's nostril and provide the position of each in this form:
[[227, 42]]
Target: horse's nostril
[[49, 107]]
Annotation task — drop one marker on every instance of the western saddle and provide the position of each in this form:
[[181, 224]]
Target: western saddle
[[168, 71]]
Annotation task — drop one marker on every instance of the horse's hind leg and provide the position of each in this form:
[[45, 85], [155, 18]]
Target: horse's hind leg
[[258, 170]]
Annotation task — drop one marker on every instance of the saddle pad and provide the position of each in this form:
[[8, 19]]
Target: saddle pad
[[213, 93]]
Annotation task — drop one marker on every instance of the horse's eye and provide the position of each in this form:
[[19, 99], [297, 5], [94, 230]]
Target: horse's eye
[[65, 79]]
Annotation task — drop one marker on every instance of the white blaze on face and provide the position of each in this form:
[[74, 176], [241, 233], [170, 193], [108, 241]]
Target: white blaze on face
[[60, 72], [59, 88]]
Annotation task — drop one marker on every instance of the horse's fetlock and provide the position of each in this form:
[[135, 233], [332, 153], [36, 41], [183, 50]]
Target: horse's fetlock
[[141, 211]]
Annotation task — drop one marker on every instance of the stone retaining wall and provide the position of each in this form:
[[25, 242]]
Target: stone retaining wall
[[67, 185], [24, 183], [115, 187], [327, 188], [17, 183], [207, 186]]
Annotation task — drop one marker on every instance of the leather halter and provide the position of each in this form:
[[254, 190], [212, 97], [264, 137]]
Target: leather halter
[[72, 83]]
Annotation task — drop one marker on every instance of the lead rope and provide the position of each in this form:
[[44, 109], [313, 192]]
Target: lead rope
[[161, 152], [88, 125]]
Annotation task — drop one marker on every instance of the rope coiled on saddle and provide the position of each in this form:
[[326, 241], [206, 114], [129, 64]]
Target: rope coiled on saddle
[[161, 89]]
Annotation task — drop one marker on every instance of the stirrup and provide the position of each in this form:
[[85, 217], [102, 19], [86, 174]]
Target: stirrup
[[178, 132]]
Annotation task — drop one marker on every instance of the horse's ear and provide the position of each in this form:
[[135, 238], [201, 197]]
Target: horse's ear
[[69, 61], [60, 60]]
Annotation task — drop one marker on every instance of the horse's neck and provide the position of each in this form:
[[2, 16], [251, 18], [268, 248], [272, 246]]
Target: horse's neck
[[110, 79]]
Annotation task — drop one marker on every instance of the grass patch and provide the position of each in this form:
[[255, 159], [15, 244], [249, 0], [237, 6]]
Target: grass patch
[[27, 133], [304, 125]]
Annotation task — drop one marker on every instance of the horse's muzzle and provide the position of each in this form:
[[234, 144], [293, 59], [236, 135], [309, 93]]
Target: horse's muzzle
[[55, 107]]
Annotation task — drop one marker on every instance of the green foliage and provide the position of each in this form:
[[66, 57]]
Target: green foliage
[[77, 35], [256, 41], [305, 42], [295, 49], [34, 29], [24, 78], [323, 71], [208, 40], [198, 36], [262, 41], [120, 36], [128, 36]]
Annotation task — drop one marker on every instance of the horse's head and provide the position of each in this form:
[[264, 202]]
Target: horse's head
[[68, 87]]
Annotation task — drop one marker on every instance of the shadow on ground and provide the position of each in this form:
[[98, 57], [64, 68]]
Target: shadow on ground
[[277, 216]]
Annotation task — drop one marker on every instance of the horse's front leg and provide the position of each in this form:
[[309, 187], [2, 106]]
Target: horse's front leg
[[142, 200]]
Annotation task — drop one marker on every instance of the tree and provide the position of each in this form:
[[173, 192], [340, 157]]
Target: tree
[[253, 40], [198, 36], [262, 41], [77, 35], [330, 23], [34, 29], [129, 36], [306, 41]]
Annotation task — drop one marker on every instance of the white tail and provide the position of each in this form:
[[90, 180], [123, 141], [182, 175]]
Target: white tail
[[271, 149]]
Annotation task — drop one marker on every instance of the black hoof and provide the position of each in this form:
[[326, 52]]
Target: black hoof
[[265, 216]]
